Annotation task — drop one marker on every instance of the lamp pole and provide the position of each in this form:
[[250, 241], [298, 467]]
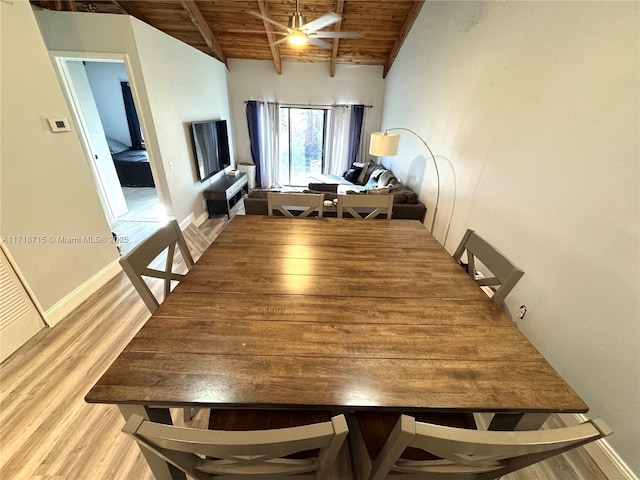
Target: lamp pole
[[385, 145], [435, 163]]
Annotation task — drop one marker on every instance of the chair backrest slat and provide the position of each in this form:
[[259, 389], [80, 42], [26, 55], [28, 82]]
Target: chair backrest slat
[[136, 262], [247, 454], [506, 273], [283, 202], [473, 454], [375, 205]]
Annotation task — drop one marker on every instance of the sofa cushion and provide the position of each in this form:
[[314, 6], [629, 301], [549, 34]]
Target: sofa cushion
[[344, 189], [402, 194], [327, 195], [261, 193], [379, 191], [329, 179]]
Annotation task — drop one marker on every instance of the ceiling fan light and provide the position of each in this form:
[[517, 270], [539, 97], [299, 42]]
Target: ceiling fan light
[[298, 38]]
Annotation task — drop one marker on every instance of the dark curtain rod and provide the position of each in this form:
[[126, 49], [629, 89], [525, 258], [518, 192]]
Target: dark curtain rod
[[310, 105]]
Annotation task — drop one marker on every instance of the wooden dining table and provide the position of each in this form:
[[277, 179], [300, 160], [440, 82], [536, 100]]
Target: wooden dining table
[[333, 314]]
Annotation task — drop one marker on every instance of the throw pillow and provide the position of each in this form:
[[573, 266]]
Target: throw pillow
[[365, 169], [387, 177], [372, 167], [371, 184], [352, 174]]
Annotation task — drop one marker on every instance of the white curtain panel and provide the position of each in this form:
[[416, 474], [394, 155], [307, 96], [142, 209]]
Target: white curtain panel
[[269, 115], [337, 160]]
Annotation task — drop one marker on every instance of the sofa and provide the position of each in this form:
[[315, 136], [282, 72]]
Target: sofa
[[361, 179]]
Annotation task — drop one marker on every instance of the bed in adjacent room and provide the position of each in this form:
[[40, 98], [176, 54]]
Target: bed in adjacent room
[[132, 166]]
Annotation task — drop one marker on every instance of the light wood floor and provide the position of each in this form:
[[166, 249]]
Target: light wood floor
[[47, 431]]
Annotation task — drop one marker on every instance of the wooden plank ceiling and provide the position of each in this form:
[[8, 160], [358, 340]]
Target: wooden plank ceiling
[[219, 27]]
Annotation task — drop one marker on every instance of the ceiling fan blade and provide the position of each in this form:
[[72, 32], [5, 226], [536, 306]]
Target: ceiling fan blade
[[336, 35], [321, 22], [273, 22], [320, 43]]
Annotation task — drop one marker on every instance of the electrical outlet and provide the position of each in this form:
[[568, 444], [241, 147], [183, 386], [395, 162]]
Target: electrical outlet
[[522, 312]]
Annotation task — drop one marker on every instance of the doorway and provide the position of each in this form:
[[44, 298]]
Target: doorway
[[100, 96], [303, 133]]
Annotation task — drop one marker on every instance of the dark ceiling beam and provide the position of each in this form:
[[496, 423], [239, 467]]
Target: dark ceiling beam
[[65, 6], [402, 35], [336, 41], [275, 50], [203, 27]]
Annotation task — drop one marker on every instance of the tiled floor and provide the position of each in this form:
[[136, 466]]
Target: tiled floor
[[143, 204], [144, 217]]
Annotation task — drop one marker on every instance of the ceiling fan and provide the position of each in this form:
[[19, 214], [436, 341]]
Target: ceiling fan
[[299, 32]]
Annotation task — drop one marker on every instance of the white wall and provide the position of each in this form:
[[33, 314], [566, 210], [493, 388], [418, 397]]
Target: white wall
[[303, 84], [184, 85], [46, 186], [173, 84], [105, 78], [537, 105]]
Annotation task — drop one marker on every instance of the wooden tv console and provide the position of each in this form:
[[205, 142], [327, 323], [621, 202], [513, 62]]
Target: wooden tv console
[[224, 194]]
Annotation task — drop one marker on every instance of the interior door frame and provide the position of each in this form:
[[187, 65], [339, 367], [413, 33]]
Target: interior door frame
[[58, 57], [85, 134]]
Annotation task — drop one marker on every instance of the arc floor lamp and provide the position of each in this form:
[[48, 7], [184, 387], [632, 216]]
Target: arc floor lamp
[[385, 144]]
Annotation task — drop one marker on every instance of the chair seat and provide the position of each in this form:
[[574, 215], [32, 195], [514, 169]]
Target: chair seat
[[377, 426]]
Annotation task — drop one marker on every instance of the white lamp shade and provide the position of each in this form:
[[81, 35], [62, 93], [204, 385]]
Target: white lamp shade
[[384, 144]]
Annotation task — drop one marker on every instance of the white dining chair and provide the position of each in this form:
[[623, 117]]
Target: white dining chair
[[136, 263], [373, 205], [505, 273], [266, 454], [285, 204], [463, 454]]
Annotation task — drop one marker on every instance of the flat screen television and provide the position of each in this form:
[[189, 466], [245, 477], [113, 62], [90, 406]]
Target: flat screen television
[[210, 147]]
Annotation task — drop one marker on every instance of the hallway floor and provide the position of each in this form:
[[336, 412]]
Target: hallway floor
[[144, 217]]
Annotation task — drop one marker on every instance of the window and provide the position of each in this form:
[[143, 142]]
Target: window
[[302, 144]]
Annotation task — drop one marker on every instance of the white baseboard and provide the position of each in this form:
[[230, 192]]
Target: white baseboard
[[601, 452], [65, 306], [201, 219], [187, 221]]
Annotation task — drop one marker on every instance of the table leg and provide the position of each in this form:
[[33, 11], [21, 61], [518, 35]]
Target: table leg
[[161, 469], [517, 421]]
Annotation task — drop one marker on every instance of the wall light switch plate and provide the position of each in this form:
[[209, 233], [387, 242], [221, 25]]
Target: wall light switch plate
[[59, 124]]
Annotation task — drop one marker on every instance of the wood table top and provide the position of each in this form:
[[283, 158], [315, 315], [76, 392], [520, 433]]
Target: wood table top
[[332, 313]]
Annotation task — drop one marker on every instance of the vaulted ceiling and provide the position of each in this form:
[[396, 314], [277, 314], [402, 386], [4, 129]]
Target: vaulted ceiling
[[227, 28]]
